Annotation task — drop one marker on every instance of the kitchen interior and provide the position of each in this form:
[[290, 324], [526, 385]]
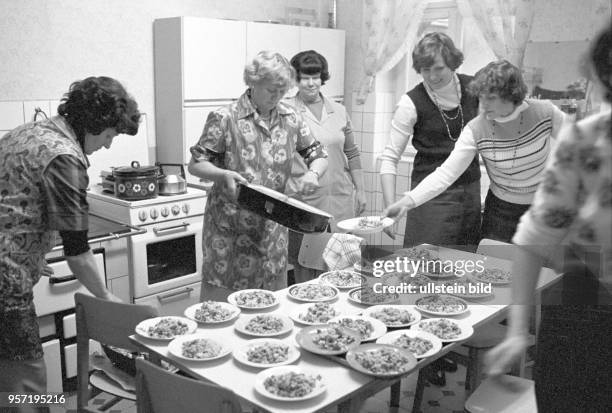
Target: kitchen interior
[[183, 58]]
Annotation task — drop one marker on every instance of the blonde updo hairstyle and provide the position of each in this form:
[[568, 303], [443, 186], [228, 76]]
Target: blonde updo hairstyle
[[269, 66]]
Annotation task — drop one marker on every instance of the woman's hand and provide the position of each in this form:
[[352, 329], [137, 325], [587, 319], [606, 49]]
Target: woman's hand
[[501, 357], [395, 210], [308, 183], [230, 179], [361, 202]]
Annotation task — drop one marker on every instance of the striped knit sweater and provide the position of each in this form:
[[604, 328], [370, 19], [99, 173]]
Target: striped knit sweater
[[514, 150]]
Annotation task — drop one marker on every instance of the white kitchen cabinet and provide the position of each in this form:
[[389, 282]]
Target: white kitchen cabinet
[[279, 38], [173, 302], [53, 363], [330, 43]]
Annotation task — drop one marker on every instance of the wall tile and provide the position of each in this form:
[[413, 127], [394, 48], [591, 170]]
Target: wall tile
[[357, 120], [368, 122], [367, 142]]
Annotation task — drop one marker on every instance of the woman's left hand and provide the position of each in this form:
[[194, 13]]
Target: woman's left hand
[[361, 202], [308, 183]]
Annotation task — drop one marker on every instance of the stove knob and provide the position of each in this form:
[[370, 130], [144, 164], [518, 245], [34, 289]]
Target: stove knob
[[165, 212], [186, 208], [142, 215], [176, 210], [153, 213]]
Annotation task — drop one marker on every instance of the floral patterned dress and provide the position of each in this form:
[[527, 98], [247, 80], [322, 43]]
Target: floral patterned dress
[[241, 249]]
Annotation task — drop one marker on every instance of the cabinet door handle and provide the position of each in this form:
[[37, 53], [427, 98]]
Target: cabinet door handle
[[186, 291], [158, 231], [61, 280]]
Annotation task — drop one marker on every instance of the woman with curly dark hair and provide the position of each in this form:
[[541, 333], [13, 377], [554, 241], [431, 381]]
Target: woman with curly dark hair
[[512, 135], [43, 183]]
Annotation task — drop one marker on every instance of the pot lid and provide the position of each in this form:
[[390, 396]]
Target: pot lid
[[135, 169]]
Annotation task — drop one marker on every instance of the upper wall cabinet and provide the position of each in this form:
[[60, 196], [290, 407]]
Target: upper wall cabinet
[[274, 37]]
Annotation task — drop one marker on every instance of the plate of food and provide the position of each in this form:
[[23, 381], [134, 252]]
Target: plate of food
[[446, 329], [328, 340], [368, 328], [264, 325], [165, 328], [197, 347], [381, 360], [420, 343], [253, 299], [312, 293], [314, 313], [367, 296], [399, 278], [266, 352], [420, 253], [394, 315], [466, 288], [341, 279], [289, 383], [365, 225], [441, 305], [495, 276], [212, 312]]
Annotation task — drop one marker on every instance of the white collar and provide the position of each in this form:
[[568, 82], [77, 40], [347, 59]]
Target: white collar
[[515, 113]]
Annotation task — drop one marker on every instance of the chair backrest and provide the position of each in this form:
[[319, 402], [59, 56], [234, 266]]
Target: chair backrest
[[109, 323], [311, 251], [154, 384], [494, 248]]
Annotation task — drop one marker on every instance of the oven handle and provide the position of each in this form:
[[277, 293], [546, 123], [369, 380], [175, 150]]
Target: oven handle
[[111, 237], [158, 231], [60, 280], [187, 291]]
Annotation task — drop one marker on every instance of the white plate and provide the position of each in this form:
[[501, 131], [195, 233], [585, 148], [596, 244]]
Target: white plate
[[466, 329], [505, 277], [392, 336], [352, 225], [421, 302], [378, 327], [302, 309], [333, 278], [351, 358], [176, 347], [142, 328], [297, 289], [242, 322], [465, 282], [415, 315], [354, 295], [190, 312], [240, 353], [263, 375], [235, 296], [305, 339]]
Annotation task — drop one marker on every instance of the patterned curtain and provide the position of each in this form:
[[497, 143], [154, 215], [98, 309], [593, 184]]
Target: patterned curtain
[[505, 25], [389, 31]]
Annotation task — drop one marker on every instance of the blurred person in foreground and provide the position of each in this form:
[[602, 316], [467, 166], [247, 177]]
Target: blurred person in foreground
[[43, 183], [251, 140], [573, 365], [341, 191]]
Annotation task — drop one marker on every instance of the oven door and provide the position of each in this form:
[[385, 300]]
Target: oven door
[[167, 256]]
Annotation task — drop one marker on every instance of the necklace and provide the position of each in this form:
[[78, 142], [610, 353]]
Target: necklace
[[444, 115], [516, 144]]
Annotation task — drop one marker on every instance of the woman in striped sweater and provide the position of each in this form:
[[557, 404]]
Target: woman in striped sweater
[[512, 135]]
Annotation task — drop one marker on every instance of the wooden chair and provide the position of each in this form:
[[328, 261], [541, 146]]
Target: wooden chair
[[109, 323], [506, 394], [154, 385]]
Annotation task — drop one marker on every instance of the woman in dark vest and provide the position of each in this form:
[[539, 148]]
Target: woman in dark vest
[[433, 115]]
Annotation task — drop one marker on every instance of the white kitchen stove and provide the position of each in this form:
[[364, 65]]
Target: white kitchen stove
[[147, 211]]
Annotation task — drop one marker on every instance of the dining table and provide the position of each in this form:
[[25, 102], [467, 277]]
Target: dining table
[[346, 388]]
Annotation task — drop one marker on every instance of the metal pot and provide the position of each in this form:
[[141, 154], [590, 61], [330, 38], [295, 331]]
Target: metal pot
[[170, 183], [136, 182]]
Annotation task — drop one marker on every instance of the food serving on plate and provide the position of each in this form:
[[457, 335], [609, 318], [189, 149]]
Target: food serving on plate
[[399, 278], [384, 360], [443, 328], [268, 353], [200, 349], [370, 222], [416, 345], [493, 276], [212, 311], [291, 384], [441, 304], [341, 278], [265, 324], [168, 328], [363, 327], [332, 338], [318, 313], [393, 316], [416, 254], [255, 299], [366, 295], [314, 292]]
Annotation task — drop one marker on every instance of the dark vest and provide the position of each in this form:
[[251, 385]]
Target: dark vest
[[431, 137]]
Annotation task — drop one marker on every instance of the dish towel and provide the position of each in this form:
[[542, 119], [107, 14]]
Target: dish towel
[[342, 251]]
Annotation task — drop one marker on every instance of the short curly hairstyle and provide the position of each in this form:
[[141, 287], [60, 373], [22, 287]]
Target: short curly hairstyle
[[500, 77], [94, 104], [310, 62], [269, 66], [432, 44]]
